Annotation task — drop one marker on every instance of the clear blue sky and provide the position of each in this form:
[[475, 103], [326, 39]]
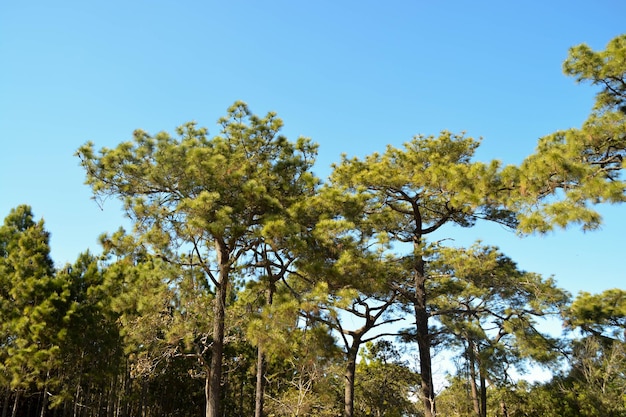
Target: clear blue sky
[[352, 75]]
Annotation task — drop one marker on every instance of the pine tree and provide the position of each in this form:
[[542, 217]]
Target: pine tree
[[92, 352], [409, 195], [202, 203], [490, 310], [33, 306]]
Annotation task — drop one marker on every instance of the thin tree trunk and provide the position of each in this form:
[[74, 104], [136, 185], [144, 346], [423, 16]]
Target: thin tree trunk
[[142, 400], [260, 383], [16, 403], [217, 351], [348, 410], [128, 390], [217, 347], [503, 409], [44, 402], [88, 401], [260, 367], [242, 386], [119, 406], [66, 408], [99, 402], [77, 396], [111, 397], [207, 391], [29, 407]]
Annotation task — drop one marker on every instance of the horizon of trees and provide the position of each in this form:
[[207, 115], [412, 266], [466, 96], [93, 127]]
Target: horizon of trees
[[248, 286]]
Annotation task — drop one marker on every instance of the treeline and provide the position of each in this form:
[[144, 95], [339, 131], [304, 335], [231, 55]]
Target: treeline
[[248, 286]]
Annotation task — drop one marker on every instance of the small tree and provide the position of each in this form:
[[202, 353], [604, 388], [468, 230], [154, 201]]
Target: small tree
[[343, 277], [490, 309], [386, 386], [92, 353]]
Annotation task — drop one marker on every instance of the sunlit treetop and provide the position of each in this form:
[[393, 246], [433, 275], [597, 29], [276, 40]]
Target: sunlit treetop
[[606, 69]]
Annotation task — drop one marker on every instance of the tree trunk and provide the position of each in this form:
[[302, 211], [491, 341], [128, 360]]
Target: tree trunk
[[242, 385], [471, 356], [503, 409], [348, 410], [260, 383], [5, 404], [423, 340], [217, 347], [111, 397], [44, 402], [77, 395], [207, 392], [29, 407], [16, 403], [260, 367], [483, 389]]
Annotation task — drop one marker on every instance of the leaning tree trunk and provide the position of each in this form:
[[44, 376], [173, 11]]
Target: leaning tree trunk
[[44, 402], [16, 403]]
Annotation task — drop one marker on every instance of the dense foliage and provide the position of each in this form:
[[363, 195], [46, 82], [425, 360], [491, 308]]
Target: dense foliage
[[250, 287]]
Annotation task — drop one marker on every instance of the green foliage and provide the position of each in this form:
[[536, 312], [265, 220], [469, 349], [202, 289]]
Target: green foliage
[[92, 351], [455, 399], [207, 204], [594, 386], [600, 314], [385, 385], [239, 259], [480, 296], [271, 326], [571, 171], [488, 311], [576, 168], [605, 69], [192, 188], [33, 302], [407, 195], [432, 178], [305, 381], [596, 383]]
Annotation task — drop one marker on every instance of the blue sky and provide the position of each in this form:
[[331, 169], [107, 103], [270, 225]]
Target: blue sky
[[352, 75]]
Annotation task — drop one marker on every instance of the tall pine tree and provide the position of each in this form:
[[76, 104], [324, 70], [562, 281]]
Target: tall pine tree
[[33, 307], [202, 203]]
